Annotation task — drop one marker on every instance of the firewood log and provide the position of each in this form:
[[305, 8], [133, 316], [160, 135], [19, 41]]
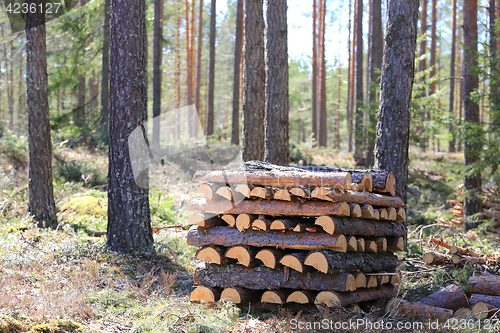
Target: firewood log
[[275, 296], [355, 210], [320, 193], [489, 285], [213, 254], [237, 295], [244, 254], [271, 207], [295, 261], [376, 214], [380, 241], [360, 227], [393, 213], [352, 243], [230, 219], [205, 294], [364, 198], [226, 236], [384, 215], [437, 259], [401, 308], [461, 261], [360, 279], [301, 192], [285, 223], [270, 257], [395, 244], [371, 246], [283, 194], [204, 220], [336, 263], [401, 215], [484, 306], [464, 251], [244, 221], [262, 223], [450, 297], [463, 313], [225, 192], [207, 189], [243, 189], [361, 244], [265, 193], [276, 178], [301, 297], [338, 299], [371, 282], [439, 242], [367, 212]]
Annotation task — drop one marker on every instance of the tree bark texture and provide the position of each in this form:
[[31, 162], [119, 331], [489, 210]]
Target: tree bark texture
[[391, 151], [40, 192], [451, 100], [227, 236], [359, 119], [254, 78], [450, 297], [261, 277], [489, 285], [277, 137], [211, 70], [157, 59], [129, 222], [472, 203], [235, 126], [374, 65], [340, 299]]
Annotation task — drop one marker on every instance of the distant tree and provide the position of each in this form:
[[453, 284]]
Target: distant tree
[[105, 68], [322, 119], [374, 66], [235, 127], [11, 87], [254, 78], [391, 149], [451, 101], [40, 192], [211, 71], [314, 97], [350, 82], [277, 108], [358, 132], [472, 203], [129, 221], [198, 58], [157, 59], [495, 98], [422, 65]]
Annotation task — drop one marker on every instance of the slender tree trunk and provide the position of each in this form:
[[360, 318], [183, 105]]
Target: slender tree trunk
[[322, 128], [393, 128], [374, 64], [422, 66], [433, 46], [40, 192], [177, 127], [2, 79], [461, 86], [80, 112], [20, 111], [157, 59], [105, 69], [11, 87], [349, 85], [314, 97], [194, 115], [254, 99], [277, 137], [358, 135], [337, 120], [495, 104], [235, 127], [198, 58], [472, 203], [129, 221], [189, 79], [211, 71], [451, 100]]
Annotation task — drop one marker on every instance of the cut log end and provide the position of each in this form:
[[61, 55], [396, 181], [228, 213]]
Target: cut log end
[[395, 244], [225, 192], [370, 246], [269, 258], [320, 193], [207, 190], [283, 195], [317, 260], [367, 212], [328, 298], [344, 209], [230, 219], [376, 214], [243, 189], [240, 253], [401, 215], [371, 282], [393, 213], [355, 210], [360, 280], [326, 223], [210, 254], [274, 297], [480, 310], [236, 295], [352, 243], [384, 215], [351, 283], [261, 224], [293, 262], [390, 184], [301, 297], [300, 192], [244, 221], [367, 182], [361, 244], [205, 295]]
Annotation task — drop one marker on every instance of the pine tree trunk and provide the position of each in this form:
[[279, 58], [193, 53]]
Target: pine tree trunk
[[157, 58], [451, 100], [494, 120], [189, 78], [472, 203], [235, 126], [254, 99], [211, 71], [129, 222], [391, 150], [374, 64], [433, 45], [79, 116], [322, 128], [11, 87], [40, 192], [461, 86], [314, 97], [349, 85], [177, 127], [422, 66], [358, 131], [337, 120], [198, 59], [105, 69], [20, 111], [277, 137]]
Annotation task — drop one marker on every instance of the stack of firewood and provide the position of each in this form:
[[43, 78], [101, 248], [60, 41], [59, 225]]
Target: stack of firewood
[[458, 256], [491, 206], [296, 236], [451, 301]]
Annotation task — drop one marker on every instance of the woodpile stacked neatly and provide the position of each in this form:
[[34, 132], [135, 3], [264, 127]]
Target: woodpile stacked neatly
[[458, 256], [491, 206], [451, 301], [296, 236]]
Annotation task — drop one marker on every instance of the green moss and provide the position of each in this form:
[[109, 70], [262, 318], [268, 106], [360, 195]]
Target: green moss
[[87, 205], [58, 326]]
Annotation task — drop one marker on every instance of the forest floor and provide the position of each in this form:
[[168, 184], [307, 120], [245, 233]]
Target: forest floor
[[67, 281]]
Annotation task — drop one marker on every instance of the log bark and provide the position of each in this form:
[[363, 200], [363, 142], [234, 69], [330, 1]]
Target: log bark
[[461, 261], [360, 227], [365, 198], [270, 257], [338, 299], [463, 313], [450, 297], [226, 236], [484, 306], [439, 242], [261, 278], [205, 294], [212, 254], [489, 285], [341, 180], [204, 220], [337, 263], [301, 297], [272, 208], [401, 308]]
